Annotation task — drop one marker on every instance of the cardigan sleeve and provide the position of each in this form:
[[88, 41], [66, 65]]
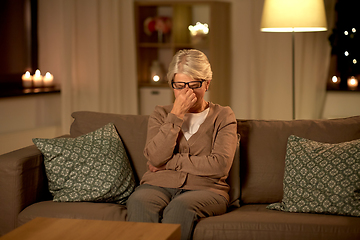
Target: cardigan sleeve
[[218, 163], [162, 134]]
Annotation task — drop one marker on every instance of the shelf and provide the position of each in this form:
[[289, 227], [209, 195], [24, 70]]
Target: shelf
[[155, 45], [216, 44], [16, 92], [172, 45]]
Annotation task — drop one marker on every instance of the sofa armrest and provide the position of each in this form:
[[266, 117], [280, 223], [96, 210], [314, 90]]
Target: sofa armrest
[[22, 182]]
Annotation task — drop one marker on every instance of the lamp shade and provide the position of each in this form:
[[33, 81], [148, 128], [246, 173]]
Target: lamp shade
[[293, 16]]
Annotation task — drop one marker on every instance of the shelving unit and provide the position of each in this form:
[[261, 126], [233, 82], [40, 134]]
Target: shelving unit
[[182, 13]]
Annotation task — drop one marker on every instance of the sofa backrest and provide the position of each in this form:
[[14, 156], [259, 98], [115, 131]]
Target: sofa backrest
[[131, 128], [263, 149]]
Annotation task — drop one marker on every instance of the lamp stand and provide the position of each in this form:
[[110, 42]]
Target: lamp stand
[[293, 74]]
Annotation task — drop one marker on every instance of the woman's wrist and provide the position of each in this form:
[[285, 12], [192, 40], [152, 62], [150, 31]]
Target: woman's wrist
[[178, 114]]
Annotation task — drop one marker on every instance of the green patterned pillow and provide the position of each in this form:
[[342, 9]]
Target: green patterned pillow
[[92, 168], [321, 177]]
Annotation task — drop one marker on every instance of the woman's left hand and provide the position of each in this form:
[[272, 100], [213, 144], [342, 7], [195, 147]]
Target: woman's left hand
[[155, 169]]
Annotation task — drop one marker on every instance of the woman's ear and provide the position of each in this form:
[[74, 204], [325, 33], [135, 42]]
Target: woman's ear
[[207, 85]]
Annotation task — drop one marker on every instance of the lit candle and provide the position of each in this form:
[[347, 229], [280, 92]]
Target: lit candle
[[37, 79], [48, 80], [26, 80], [352, 82]]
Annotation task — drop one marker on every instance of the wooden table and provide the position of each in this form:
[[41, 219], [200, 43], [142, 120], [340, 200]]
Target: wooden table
[[80, 229]]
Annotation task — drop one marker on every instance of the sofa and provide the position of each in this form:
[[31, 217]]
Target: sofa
[[256, 180]]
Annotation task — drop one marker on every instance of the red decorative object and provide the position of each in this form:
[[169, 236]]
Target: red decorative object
[[160, 23]]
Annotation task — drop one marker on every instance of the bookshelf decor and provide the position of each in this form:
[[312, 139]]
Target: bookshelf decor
[[162, 29]]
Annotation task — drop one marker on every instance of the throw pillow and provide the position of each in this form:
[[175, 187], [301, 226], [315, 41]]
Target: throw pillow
[[321, 177], [93, 167]]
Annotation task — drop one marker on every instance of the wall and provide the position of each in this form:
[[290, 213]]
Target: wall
[[341, 104], [26, 117]]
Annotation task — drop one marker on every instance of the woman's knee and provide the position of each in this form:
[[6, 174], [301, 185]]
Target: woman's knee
[[180, 207], [147, 197], [135, 199], [199, 203]]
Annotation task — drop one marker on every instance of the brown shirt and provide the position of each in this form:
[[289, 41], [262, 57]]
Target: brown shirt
[[200, 163]]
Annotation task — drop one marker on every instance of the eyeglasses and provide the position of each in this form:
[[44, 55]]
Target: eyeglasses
[[182, 85]]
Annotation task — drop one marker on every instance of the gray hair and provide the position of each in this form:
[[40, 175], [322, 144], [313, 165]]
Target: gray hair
[[191, 62]]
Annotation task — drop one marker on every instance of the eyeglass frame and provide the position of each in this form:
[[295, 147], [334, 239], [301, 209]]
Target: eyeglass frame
[[188, 84]]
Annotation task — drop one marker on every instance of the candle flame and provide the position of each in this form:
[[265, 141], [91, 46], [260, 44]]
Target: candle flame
[[37, 73]]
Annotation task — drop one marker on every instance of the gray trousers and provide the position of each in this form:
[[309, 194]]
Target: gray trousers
[[170, 205]]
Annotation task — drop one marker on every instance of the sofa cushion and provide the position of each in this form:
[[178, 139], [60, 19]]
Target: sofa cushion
[[256, 222], [132, 129], [93, 167], [74, 210], [263, 149], [321, 177]]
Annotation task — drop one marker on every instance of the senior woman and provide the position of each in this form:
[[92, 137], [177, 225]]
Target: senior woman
[[190, 148]]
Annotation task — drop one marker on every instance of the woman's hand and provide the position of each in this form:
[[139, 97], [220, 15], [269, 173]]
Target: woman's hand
[[185, 99], [155, 169]]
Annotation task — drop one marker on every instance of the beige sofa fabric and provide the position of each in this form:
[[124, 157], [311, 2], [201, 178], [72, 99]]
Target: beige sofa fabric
[[263, 149], [254, 221], [22, 182]]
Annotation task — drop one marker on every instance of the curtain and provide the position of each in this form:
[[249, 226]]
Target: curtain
[[89, 46], [262, 67]]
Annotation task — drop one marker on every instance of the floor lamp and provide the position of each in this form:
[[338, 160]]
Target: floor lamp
[[293, 16]]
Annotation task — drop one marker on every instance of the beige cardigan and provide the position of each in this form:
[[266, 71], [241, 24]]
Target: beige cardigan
[[200, 163]]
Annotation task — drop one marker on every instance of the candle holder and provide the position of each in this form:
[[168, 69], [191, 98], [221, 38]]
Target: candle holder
[[26, 80], [48, 80], [352, 83], [37, 79]]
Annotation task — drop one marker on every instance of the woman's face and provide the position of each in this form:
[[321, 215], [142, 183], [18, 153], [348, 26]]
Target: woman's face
[[199, 92]]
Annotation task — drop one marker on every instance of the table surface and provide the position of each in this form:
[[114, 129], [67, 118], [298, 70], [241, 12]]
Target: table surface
[[81, 229]]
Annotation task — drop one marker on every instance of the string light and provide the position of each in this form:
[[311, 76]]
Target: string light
[[335, 79], [199, 28], [344, 42]]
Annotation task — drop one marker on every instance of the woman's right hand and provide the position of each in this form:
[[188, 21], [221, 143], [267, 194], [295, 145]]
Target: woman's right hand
[[184, 100], [155, 169]]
